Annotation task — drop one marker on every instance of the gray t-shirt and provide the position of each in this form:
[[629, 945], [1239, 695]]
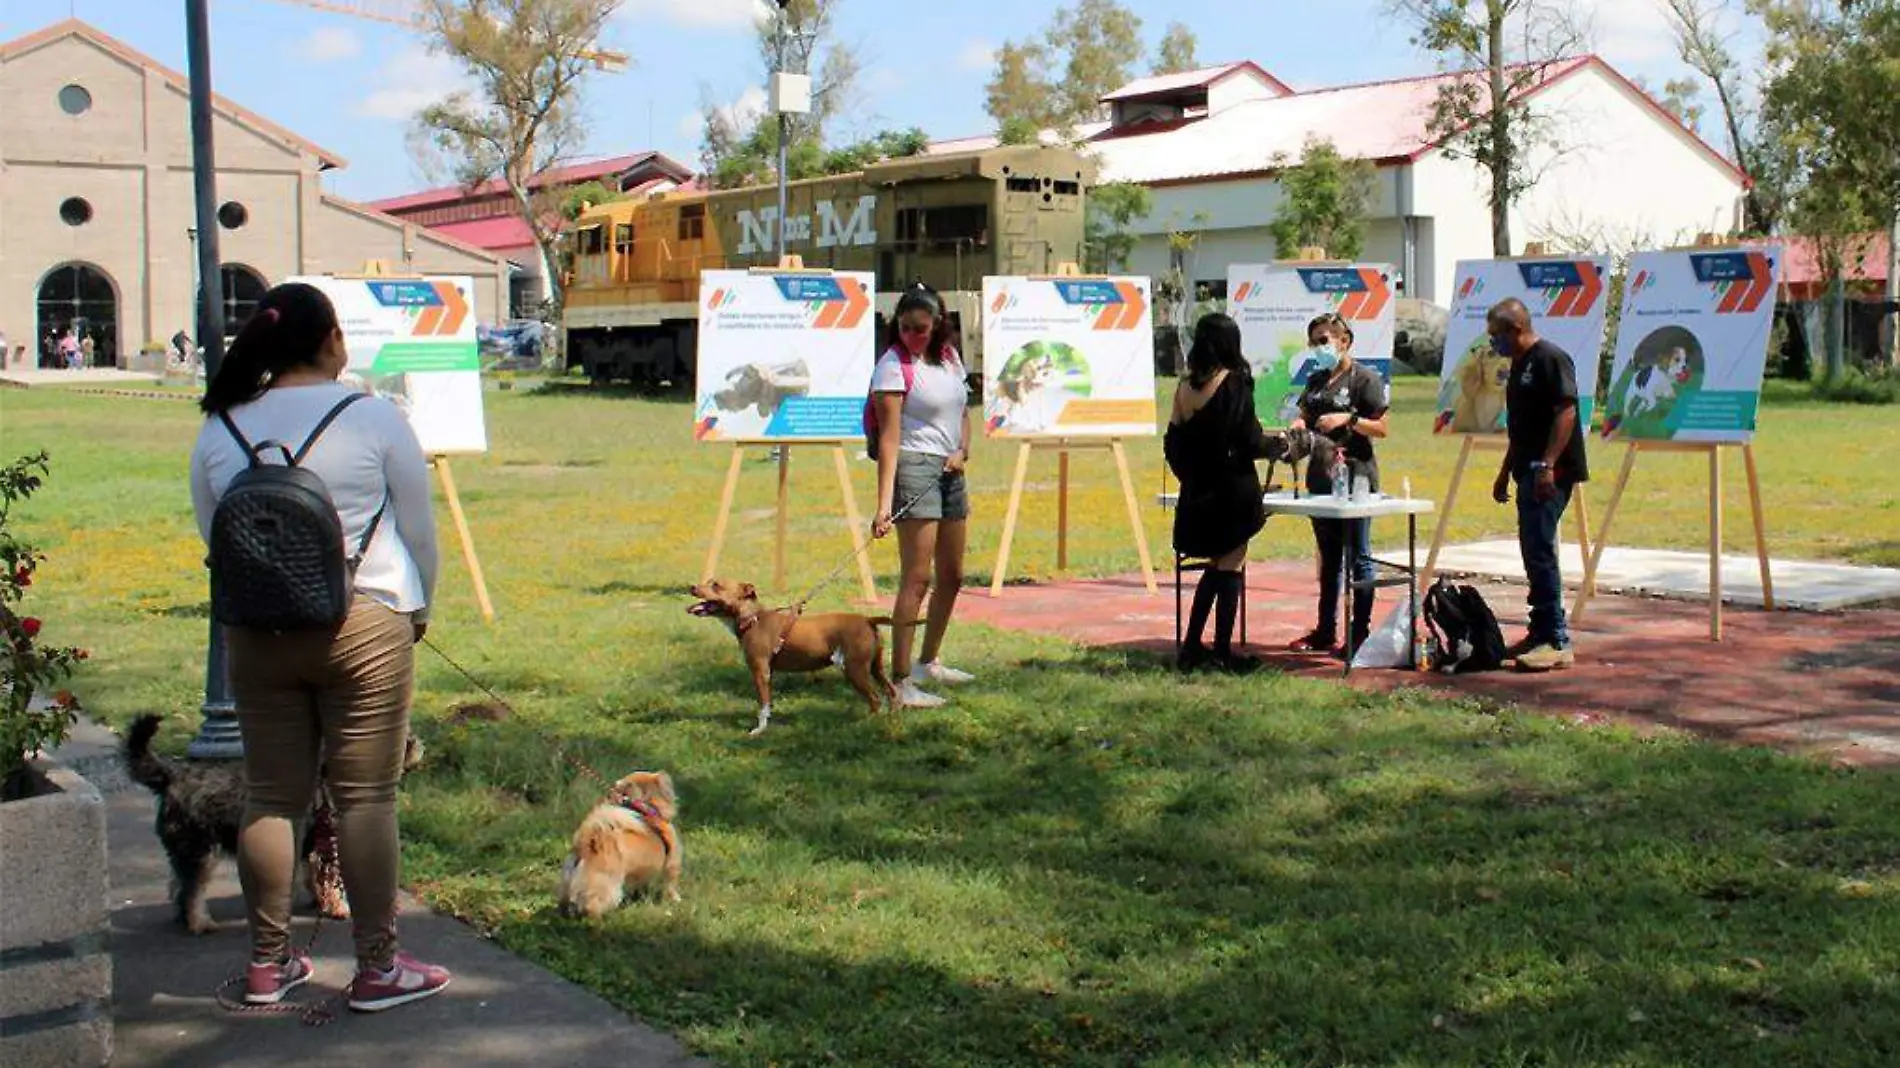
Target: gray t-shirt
[[933, 406]]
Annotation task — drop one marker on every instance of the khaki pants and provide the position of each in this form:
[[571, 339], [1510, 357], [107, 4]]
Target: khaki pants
[[342, 699]]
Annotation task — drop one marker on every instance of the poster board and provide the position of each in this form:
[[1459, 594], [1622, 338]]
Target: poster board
[[784, 355], [1569, 305], [1692, 345], [412, 340], [1068, 357], [1273, 302]]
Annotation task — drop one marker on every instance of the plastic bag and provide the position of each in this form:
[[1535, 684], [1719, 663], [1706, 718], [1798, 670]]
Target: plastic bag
[[1390, 645]]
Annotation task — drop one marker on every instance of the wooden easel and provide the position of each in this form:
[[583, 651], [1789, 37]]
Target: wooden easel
[[1497, 443], [1062, 447], [840, 461], [440, 462], [1713, 449]]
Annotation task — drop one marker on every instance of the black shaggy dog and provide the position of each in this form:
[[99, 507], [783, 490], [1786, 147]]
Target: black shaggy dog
[[200, 810]]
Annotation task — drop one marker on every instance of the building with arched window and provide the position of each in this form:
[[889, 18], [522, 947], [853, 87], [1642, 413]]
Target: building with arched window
[[98, 233]]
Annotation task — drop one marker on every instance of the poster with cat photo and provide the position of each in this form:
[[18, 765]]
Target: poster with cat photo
[[1568, 298]]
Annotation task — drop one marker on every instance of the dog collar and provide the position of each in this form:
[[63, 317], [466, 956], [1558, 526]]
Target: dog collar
[[650, 814], [792, 612]]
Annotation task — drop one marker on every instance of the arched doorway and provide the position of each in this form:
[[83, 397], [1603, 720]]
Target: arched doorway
[[243, 288], [81, 298]]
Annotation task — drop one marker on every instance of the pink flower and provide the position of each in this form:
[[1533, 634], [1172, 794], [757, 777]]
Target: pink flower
[[22, 577], [30, 627], [65, 699]]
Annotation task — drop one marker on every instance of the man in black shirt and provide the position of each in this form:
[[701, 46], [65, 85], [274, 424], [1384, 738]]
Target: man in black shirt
[[1545, 457]]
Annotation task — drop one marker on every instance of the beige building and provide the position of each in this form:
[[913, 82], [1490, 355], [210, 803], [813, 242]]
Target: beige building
[[97, 227]]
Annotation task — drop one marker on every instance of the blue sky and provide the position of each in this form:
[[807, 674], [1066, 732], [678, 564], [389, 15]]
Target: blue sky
[[350, 84]]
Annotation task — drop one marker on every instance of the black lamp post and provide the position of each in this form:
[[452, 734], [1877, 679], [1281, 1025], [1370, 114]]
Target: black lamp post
[[218, 737]]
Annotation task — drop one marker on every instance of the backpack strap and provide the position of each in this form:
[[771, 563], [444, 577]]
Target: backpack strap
[[324, 424], [250, 450], [362, 546]]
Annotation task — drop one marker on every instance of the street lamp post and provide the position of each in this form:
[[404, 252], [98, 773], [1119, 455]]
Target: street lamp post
[[791, 95], [218, 737]]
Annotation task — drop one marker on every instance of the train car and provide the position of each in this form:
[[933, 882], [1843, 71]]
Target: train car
[[632, 308]]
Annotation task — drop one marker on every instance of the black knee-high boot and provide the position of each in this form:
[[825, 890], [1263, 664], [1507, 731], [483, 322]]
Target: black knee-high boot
[[1204, 595], [1226, 612]]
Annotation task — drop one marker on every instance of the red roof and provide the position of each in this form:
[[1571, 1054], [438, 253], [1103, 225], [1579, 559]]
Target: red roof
[[1867, 260], [571, 174], [495, 235], [1161, 85]]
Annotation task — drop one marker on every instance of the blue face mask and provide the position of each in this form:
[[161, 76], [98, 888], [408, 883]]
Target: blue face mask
[[1502, 346], [1324, 357]]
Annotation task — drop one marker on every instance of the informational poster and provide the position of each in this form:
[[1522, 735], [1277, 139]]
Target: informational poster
[[1692, 345], [1273, 303], [412, 340], [1569, 306], [784, 356], [1068, 357]]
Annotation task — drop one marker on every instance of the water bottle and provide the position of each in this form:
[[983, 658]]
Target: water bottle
[[1342, 476]]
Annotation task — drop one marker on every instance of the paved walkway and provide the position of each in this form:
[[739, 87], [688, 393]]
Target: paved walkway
[[501, 1010], [1821, 682]]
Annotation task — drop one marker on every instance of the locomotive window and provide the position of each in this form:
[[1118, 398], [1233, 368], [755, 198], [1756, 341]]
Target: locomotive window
[[1023, 185], [623, 238], [944, 228], [1068, 189], [692, 222], [592, 241]]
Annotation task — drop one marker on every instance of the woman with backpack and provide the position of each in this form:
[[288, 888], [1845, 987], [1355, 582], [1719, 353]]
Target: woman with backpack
[[1212, 441], [1344, 404], [921, 434], [322, 656]]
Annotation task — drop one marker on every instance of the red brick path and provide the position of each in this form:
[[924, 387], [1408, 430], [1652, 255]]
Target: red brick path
[[1817, 682]]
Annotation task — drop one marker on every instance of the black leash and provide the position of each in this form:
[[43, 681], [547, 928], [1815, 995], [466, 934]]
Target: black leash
[[559, 750]]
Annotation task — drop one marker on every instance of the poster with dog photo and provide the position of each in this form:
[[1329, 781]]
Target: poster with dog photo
[[784, 356], [412, 341], [1569, 302], [1273, 303], [1692, 345], [1068, 357]]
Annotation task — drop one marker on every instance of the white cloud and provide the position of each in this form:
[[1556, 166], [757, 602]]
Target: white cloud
[[1634, 35], [703, 14], [740, 114], [410, 82], [883, 80], [331, 43], [977, 55]]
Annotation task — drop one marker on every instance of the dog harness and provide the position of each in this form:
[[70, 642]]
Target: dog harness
[[778, 646], [649, 814]]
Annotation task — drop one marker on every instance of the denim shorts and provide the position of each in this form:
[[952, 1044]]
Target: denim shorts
[[939, 495]]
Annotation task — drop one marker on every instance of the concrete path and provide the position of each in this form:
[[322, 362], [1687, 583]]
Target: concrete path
[[1799, 584], [501, 1010]]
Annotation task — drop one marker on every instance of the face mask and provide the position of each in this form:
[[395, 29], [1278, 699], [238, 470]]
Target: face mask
[[1502, 346], [1324, 357]]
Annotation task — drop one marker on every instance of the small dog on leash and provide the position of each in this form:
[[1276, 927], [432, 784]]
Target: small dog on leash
[[628, 840], [775, 639], [201, 810]]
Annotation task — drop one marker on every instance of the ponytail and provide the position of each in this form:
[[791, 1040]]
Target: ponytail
[[288, 331]]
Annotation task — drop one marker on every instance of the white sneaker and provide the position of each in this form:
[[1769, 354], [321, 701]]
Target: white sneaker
[[909, 696], [934, 671]]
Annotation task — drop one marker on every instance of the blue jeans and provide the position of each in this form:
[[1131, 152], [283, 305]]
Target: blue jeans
[[1334, 537], [1537, 526]]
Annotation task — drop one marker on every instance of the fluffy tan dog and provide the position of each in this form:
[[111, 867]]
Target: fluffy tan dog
[[627, 840], [1482, 380]]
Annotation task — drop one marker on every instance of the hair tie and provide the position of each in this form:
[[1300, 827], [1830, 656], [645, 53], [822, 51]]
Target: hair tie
[[269, 315]]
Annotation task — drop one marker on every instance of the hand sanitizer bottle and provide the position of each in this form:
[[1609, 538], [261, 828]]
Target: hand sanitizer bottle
[[1342, 476]]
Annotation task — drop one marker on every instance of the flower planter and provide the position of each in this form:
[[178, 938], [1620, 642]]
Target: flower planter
[[55, 969]]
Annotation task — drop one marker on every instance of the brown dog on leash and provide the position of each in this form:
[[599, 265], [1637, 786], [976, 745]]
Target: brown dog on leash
[[779, 639]]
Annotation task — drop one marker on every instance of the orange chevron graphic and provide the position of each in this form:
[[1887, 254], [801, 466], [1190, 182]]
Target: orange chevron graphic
[[847, 313], [1368, 303], [445, 318], [1577, 301], [1746, 294], [1241, 293], [1125, 315]]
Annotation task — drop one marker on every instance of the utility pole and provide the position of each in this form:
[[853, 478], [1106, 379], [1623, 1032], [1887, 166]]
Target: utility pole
[[790, 95], [218, 737]]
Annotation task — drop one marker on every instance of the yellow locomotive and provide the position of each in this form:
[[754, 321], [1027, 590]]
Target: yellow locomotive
[[632, 308]]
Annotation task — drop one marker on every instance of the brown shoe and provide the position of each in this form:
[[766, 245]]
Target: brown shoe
[[1545, 658]]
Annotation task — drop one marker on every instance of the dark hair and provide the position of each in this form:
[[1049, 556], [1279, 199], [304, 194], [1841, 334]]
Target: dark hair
[[920, 297], [1216, 346], [1333, 324], [288, 331]]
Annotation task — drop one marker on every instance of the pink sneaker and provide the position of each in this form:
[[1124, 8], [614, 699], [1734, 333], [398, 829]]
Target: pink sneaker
[[407, 980], [266, 984]]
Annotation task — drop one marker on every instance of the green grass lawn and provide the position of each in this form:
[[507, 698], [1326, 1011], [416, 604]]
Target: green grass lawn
[[1082, 861]]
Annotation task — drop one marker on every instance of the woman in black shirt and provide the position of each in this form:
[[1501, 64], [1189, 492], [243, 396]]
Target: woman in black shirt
[[1213, 439], [1345, 405]]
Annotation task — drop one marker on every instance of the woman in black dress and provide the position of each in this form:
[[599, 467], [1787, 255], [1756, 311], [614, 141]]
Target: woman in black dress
[[1345, 405], [1213, 439]]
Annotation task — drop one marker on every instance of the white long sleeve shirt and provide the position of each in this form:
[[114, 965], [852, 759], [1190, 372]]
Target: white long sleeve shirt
[[367, 455]]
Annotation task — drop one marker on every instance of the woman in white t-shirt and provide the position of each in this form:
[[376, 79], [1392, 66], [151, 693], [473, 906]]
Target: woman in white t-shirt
[[923, 447], [335, 700]]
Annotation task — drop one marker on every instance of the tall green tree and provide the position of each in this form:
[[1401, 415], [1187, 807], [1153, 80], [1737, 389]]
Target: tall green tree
[[1107, 236], [528, 60], [1175, 54], [1325, 200], [1706, 41], [1089, 50], [1507, 46]]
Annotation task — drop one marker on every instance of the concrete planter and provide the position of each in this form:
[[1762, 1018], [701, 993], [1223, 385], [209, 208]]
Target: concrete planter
[[55, 970]]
